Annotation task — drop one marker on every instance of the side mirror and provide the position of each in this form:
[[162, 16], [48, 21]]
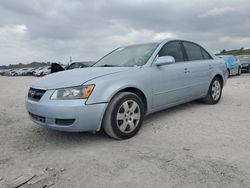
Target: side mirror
[[164, 60]]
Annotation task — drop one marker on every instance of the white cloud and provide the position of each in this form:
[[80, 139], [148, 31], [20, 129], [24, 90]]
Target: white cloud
[[217, 12], [86, 30], [135, 36], [132, 37], [12, 30], [164, 35]]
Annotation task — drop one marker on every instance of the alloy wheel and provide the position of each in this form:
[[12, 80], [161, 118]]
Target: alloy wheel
[[216, 90], [128, 116]]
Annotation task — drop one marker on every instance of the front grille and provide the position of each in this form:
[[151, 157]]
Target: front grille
[[36, 94], [37, 118]]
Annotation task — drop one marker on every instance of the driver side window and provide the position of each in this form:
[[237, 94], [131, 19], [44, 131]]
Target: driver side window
[[172, 49]]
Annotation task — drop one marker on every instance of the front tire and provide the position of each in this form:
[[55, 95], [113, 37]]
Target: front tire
[[124, 116], [214, 92]]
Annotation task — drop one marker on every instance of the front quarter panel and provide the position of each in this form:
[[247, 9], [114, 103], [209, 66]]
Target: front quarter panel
[[107, 86]]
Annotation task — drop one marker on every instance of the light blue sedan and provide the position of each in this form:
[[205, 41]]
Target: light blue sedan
[[124, 86]]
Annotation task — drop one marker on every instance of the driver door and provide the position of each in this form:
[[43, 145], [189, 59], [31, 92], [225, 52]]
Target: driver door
[[171, 82]]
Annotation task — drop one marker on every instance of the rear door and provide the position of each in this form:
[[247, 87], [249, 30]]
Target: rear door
[[201, 68]]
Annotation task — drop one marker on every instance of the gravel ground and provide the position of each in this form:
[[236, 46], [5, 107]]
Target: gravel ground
[[192, 145]]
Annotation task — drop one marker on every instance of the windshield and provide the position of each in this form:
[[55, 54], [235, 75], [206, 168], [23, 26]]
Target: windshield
[[76, 66], [136, 55]]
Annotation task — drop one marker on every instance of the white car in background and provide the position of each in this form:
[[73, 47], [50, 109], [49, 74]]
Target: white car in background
[[12, 73], [22, 72], [2, 72], [42, 71]]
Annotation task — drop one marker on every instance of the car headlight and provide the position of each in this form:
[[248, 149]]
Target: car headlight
[[80, 92]]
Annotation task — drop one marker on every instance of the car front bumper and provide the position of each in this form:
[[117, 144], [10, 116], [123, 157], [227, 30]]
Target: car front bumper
[[66, 115], [245, 67]]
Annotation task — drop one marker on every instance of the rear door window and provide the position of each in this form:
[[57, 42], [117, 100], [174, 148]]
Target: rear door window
[[193, 51], [205, 54]]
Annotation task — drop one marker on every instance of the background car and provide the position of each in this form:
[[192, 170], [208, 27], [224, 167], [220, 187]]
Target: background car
[[12, 72], [22, 71], [245, 62], [6, 72], [42, 71], [78, 65], [2, 72], [55, 67], [233, 65], [37, 71], [30, 71]]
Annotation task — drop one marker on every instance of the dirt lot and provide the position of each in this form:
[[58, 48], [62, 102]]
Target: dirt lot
[[192, 145]]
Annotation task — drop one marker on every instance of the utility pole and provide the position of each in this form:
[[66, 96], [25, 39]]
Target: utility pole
[[70, 60]]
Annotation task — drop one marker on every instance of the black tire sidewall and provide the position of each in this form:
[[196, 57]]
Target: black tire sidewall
[[228, 72], [114, 112]]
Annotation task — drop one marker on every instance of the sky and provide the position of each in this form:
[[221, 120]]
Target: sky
[[54, 30]]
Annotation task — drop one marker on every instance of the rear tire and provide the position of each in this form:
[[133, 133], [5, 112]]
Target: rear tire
[[214, 92], [239, 71], [124, 116], [228, 73]]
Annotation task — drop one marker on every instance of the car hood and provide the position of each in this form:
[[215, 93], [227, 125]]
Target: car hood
[[75, 77]]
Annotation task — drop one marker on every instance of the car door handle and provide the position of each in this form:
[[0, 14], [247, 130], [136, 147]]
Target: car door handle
[[210, 66], [186, 70]]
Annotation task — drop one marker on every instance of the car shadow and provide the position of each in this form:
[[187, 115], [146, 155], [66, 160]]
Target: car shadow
[[37, 137], [170, 111]]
